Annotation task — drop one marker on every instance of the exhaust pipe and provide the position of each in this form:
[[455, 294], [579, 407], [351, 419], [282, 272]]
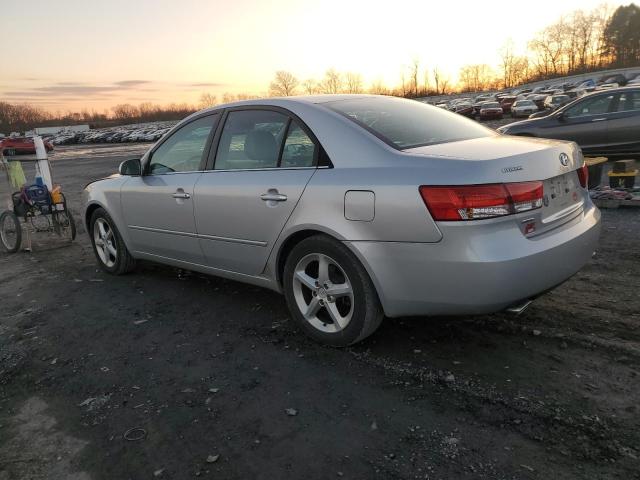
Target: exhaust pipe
[[518, 308]]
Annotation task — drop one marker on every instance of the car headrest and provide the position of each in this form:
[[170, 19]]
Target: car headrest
[[260, 145]]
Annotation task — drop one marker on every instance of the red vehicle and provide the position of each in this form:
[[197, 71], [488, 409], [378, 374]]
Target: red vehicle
[[465, 109], [18, 145], [506, 102], [490, 110]]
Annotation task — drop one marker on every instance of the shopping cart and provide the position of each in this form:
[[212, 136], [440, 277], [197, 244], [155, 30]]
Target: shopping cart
[[30, 201]]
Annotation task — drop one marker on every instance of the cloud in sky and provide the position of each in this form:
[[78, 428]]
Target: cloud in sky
[[207, 84], [68, 92], [132, 83], [67, 89]]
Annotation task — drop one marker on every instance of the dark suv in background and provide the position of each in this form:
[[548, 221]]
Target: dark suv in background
[[605, 122]]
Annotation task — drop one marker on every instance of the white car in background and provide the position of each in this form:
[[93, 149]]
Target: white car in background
[[523, 108]]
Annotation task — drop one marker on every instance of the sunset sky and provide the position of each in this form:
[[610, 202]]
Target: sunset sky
[[69, 54]]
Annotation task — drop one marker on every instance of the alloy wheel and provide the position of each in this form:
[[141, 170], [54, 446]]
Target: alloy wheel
[[323, 293], [105, 242]]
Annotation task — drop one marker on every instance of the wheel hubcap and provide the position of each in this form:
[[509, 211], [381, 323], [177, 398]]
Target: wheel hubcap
[[323, 293], [105, 242]]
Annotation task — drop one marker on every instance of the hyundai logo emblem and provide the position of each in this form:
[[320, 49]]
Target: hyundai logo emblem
[[564, 159]]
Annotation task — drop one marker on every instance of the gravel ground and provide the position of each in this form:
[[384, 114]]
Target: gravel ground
[[217, 383]]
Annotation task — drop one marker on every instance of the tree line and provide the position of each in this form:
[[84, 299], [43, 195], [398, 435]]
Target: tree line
[[579, 42]]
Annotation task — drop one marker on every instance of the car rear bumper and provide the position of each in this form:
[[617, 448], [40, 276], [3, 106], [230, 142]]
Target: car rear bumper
[[481, 268]]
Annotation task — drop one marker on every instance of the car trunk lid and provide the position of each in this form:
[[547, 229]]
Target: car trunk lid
[[507, 159]]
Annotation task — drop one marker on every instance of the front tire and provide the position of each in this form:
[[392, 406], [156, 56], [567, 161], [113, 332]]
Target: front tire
[[329, 293], [108, 246]]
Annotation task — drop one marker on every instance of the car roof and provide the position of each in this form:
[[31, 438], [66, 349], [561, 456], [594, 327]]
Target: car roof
[[284, 101]]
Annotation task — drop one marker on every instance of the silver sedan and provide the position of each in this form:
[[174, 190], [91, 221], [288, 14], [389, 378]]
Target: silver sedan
[[354, 207]]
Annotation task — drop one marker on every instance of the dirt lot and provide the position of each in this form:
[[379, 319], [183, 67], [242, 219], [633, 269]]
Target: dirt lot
[[223, 386]]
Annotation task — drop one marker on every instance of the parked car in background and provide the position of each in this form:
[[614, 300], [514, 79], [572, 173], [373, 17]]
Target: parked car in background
[[21, 145], [465, 109], [490, 110], [478, 101], [601, 123], [553, 102], [618, 78], [538, 99], [269, 192], [606, 86], [506, 102], [523, 108], [590, 83]]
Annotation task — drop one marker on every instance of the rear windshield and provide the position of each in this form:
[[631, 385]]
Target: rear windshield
[[407, 124]]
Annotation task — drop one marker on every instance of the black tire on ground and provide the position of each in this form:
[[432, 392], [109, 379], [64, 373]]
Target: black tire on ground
[[124, 262], [72, 225], [10, 231], [60, 217], [367, 311]]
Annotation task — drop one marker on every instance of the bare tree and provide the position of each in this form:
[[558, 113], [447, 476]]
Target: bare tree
[[444, 83], [415, 68], [437, 79], [228, 97], [378, 88], [475, 78], [125, 111], [208, 100], [354, 83], [310, 86], [332, 82], [284, 84], [508, 60], [427, 83]]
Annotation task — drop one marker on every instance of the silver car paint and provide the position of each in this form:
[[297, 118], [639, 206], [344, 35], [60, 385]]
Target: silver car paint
[[417, 266], [236, 226], [168, 228]]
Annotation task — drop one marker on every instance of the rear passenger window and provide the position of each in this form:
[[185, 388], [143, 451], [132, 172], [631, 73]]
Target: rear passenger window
[[629, 101], [591, 106], [299, 149], [251, 139]]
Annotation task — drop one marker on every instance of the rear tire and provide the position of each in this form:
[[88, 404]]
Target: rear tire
[[10, 231], [64, 221], [329, 293], [108, 246]]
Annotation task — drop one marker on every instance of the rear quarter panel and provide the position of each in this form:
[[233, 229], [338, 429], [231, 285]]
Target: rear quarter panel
[[400, 215]]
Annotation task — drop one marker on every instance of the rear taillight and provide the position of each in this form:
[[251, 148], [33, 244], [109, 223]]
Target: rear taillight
[[583, 175], [525, 195], [473, 202]]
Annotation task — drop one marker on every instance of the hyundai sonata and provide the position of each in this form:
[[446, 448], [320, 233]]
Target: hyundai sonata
[[354, 207]]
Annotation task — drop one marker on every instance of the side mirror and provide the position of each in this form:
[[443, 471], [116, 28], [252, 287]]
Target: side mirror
[[561, 116], [131, 167]]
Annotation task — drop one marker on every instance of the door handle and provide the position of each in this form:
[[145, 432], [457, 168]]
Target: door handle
[[181, 195], [273, 197], [598, 119]]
